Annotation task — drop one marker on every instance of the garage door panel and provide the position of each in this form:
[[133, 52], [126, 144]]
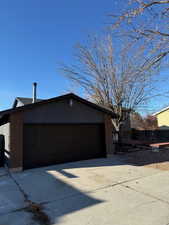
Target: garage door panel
[[47, 144]]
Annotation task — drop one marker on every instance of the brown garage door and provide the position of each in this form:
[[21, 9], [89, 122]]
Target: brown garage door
[[51, 144]]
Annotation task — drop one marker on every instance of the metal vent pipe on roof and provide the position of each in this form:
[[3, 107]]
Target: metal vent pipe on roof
[[34, 92]]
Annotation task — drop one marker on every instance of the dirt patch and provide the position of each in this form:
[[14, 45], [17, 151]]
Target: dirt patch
[[35, 209], [148, 158], [38, 214], [161, 166]]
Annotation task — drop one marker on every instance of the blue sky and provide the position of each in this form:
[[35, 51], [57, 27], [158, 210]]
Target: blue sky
[[38, 34]]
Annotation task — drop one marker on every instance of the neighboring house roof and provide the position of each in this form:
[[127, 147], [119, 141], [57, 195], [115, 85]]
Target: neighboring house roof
[[24, 101], [62, 97], [162, 110]]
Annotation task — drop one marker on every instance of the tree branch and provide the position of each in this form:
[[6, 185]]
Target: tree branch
[[157, 32]]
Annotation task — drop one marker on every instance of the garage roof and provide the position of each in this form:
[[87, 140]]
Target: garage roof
[[56, 99]]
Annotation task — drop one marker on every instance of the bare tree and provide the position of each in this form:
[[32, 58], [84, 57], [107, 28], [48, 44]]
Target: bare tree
[[113, 77], [150, 123], [143, 123], [146, 21], [136, 121]]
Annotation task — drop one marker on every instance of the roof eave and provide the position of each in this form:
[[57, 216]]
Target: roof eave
[[70, 95]]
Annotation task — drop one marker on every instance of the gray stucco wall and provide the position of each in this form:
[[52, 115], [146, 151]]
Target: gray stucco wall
[[63, 112], [19, 103], [5, 131]]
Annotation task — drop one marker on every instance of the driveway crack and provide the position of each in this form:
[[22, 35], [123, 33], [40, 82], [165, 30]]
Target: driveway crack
[[34, 208], [146, 194]]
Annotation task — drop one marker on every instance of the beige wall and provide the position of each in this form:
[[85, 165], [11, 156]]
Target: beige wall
[[163, 118]]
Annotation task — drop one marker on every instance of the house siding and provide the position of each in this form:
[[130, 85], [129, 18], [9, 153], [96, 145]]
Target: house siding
[[5, 131], [163, 119], [19, 103], [16, 141], [62, 112]]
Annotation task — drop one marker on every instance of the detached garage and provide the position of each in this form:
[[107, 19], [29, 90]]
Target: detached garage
[[58, 130]]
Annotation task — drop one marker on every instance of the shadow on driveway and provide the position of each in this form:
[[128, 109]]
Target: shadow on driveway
[[50, 187], [66, 188]]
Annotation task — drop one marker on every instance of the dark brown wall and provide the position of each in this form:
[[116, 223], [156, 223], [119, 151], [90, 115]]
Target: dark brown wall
[[62, 112], [16, 140], [52, 113]]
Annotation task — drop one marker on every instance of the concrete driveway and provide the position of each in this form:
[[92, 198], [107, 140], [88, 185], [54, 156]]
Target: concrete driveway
[[92, 192]]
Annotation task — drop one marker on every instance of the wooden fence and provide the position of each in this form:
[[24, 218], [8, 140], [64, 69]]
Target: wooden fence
[[150, 135]]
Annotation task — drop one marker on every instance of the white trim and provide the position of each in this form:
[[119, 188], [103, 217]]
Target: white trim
[[164, 109]]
